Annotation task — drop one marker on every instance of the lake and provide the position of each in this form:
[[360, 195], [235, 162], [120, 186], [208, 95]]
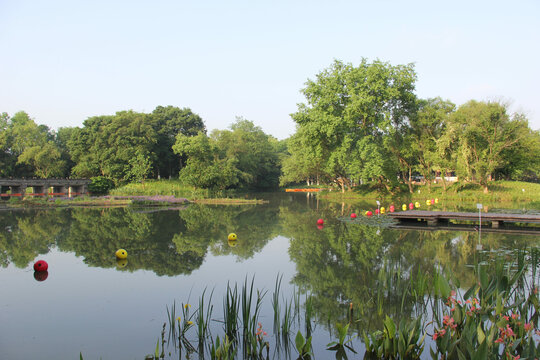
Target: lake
[[92, 304]]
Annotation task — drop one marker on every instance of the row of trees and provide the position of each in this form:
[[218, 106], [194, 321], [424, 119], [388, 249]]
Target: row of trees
[[129, 146], [365, 123], [358, 123]]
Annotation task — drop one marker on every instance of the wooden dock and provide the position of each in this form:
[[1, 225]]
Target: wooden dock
[[436, 218]]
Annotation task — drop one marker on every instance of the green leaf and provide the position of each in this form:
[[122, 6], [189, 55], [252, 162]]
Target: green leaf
[[157, 348], [499, 305], [483, 276], [443, 286], [390, 327], [481, 353], [299, 341], [481, 334], [469, 292]]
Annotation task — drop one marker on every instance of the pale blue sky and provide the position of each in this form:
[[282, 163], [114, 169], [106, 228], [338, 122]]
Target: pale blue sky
[[63, 61]]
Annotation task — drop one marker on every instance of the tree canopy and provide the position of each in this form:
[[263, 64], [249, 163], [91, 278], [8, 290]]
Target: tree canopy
[[358, 124]]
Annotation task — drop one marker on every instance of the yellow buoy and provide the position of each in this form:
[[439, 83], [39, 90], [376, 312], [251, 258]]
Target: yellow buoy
[[436, 200], [121, 253], [417, 204], [121, 263], [232, 237], [383, 210], [404, 207], [428, 202]]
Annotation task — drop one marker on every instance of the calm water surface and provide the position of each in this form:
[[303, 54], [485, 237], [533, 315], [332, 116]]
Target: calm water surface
[[90, 303]]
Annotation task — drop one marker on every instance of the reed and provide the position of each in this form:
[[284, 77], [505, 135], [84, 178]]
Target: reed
[[203, 317], [230, 312], [276, 304]]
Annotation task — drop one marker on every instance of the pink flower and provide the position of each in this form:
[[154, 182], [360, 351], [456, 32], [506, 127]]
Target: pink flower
[[509, 331], [528, 326], [499, 340], [515, 316]]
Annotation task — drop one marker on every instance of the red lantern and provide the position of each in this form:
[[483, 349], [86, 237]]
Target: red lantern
[[320, 222], [369, 213], [353, 216], [411, 206], [392, 208], [41, 265], [377, 212]]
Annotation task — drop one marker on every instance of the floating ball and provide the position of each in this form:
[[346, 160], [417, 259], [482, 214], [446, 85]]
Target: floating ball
[[404, 207], [41, 265], [369, 213], [353, 216], [411, 206], [121, 262], [428, 202], [121, 254], [232, 237], [320, 222], [432, 201], [392, 208], [377, 212], [436, 200], [417, 204], [383, 210], [41, 275]]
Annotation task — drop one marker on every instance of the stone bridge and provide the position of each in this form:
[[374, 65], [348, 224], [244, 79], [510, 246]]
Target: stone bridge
[[43, 187]]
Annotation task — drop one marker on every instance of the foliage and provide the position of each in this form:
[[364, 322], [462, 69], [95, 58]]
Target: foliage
[[349, 112], [303, 346], [396, 342], [100, 185]]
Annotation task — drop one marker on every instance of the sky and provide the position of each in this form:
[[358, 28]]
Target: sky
[[63, 61]]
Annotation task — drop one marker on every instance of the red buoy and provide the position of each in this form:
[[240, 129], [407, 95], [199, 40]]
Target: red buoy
[[41, 265], [41, 275], [353, 216], [320, 222], [392, 208], [411, 206], [369, 213]]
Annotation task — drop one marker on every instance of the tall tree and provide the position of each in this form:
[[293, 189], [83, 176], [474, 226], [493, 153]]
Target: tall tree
[[168, 122], [106, 144], [482, 132], [255, 153], [348, 113], [427, 127], [204, 167]]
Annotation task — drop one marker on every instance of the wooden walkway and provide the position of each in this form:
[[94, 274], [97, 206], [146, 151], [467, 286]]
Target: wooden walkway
[[435, 218]]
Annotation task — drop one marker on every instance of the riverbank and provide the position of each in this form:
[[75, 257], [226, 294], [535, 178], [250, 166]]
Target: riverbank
[[499, 192]]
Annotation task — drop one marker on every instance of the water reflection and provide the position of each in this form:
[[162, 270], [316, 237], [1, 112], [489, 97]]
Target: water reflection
[[338, 265]]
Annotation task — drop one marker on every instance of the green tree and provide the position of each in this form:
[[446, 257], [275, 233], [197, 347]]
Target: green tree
[[204, 167], [255, 153], [427, 127], [482, 132], [301, 164], [7, 158], [168, 122], [349, 112], [138, 167], [45, 159], [106, 144]]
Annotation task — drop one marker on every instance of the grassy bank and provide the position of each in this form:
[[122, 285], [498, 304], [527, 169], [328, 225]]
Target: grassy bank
[[179, 190], [499, 192]]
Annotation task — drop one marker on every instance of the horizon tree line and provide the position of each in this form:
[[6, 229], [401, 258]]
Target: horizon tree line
[[358, 124]]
